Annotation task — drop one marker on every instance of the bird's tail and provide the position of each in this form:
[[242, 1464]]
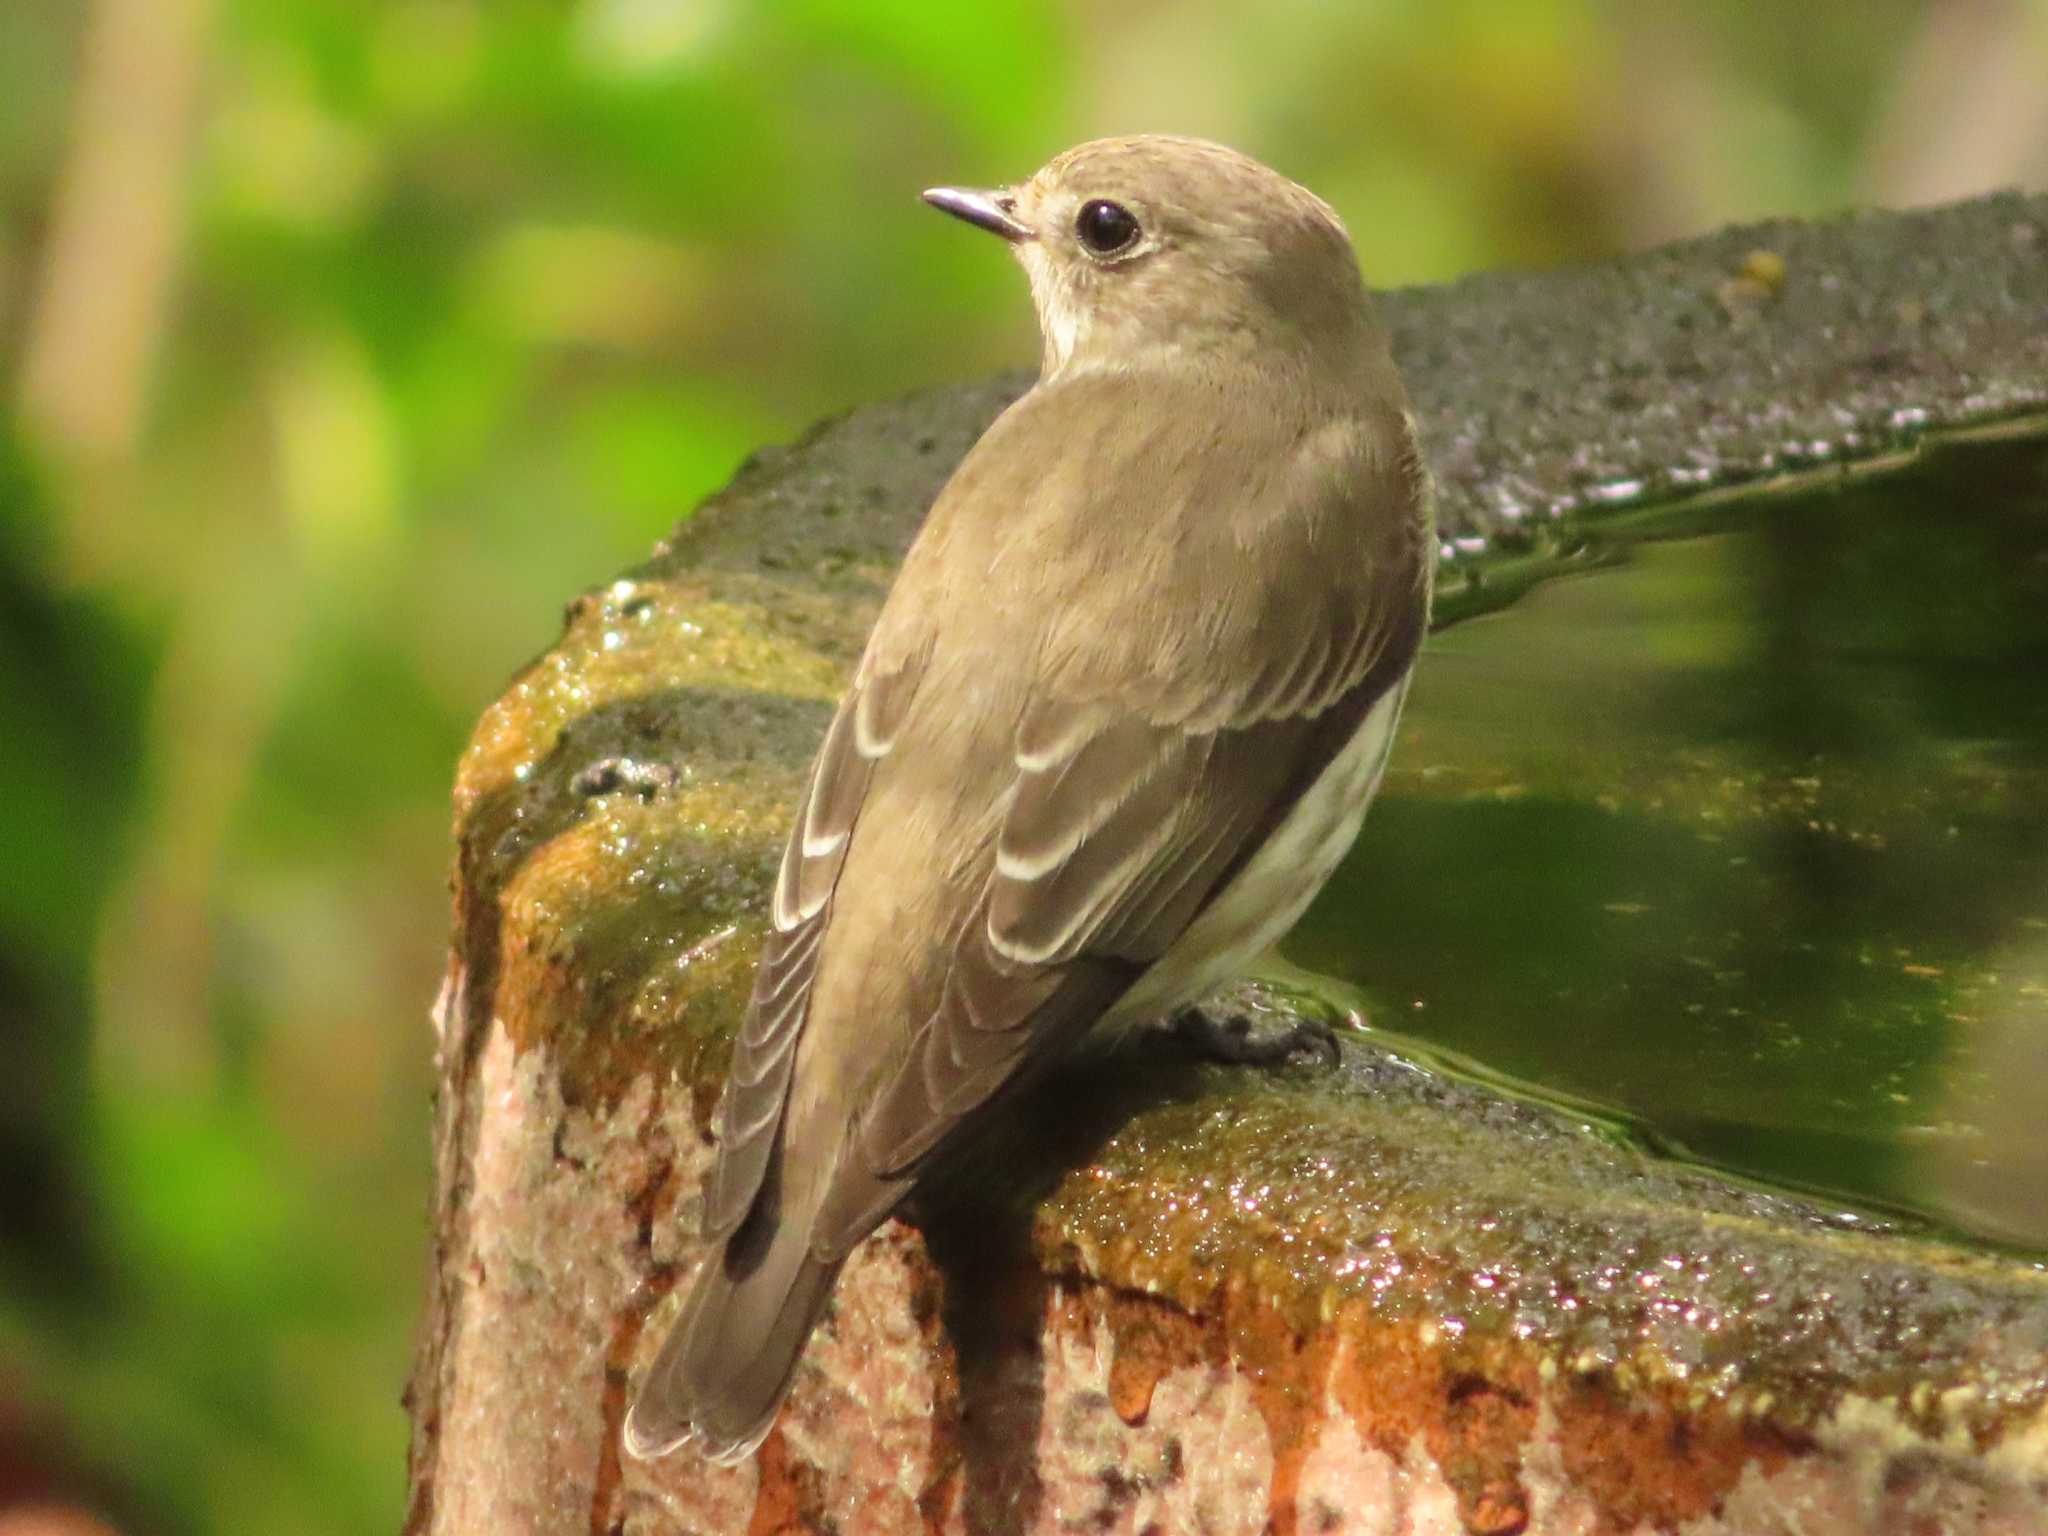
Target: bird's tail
[[724, 1369]]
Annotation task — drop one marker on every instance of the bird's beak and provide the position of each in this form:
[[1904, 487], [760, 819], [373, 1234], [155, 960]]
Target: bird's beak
[[993, 211]]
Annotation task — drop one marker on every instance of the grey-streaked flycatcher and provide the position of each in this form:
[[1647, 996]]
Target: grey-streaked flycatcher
[[1118, 721]]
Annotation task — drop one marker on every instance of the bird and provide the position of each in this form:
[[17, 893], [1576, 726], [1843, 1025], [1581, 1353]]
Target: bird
[[1118, 720]]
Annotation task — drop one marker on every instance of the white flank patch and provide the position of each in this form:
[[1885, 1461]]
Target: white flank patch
[[1271, 892]]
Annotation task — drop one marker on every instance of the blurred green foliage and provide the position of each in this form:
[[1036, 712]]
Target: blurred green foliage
[[465, 303]]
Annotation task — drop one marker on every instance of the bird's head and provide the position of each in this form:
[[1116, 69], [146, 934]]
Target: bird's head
[[1150, 249]]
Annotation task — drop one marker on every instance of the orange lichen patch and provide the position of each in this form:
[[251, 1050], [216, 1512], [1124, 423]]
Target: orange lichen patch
[[1484, 1422], [1497, 1517], [1398, 1387], [1289, 1375], [1645, 1459], [1150, 1338], [788, 1501], [618, 982]]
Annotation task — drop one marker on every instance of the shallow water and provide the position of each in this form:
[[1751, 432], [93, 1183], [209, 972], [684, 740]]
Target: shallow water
[[1744, 836]]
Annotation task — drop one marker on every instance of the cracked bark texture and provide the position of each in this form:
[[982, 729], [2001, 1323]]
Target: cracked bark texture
[[1364, 1300]]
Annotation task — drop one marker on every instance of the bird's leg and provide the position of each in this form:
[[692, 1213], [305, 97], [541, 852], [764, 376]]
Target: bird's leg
[[1261, 1023], [1220, 1032]]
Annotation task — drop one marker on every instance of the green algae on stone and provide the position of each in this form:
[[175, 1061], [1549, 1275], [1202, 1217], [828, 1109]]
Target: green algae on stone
[[627, 796], [655, 923], [633, 862], [643, 639]]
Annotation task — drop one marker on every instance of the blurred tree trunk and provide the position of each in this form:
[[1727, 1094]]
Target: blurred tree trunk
[[117, 228]]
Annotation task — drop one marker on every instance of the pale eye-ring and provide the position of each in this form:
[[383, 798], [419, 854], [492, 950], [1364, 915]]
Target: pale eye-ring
[[1105, 228]]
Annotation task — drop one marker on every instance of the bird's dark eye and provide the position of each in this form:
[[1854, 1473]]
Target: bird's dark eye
[[1105, 228]]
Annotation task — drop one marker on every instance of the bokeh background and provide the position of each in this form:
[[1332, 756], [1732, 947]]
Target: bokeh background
[[342, 340]]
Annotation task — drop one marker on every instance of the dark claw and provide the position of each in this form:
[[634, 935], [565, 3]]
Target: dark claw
[[1223, 1034]]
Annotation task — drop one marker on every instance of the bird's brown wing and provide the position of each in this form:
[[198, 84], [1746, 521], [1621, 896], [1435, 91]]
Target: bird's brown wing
[[1118, 834], [1153, 756], [757, 1084]]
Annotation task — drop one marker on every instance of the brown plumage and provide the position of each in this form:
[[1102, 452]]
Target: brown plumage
[[1118, 719]]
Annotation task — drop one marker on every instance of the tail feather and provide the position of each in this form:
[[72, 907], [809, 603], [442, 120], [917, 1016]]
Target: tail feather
[[725, 1367]]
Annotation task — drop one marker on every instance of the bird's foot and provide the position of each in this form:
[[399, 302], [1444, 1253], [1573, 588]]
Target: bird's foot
[[1242, 1030]]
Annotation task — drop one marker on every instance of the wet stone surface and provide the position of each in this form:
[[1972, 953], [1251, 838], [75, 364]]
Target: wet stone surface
[[1378, 1283], [1679, 369]]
